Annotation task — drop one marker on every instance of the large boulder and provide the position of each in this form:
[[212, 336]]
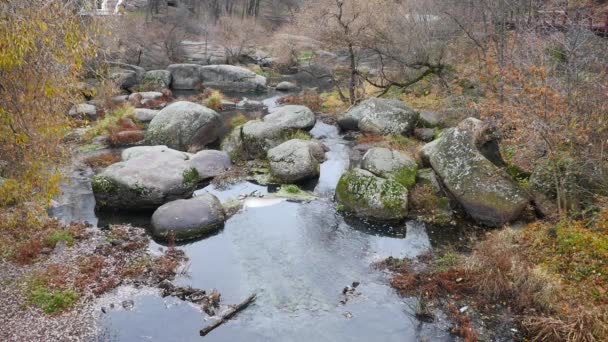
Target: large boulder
[[158, 78], [484, 190], [380, 116], [257, 137], [184, 126], [296, 160], [185, 76], [365, 195], [386, 163], [188, 218], [145, 181], [210, 163], [232, 78], [138, 151]]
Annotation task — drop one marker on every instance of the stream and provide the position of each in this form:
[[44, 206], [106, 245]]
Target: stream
[[297, 257]]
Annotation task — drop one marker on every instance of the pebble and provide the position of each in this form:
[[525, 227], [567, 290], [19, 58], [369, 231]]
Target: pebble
[[128, 304]]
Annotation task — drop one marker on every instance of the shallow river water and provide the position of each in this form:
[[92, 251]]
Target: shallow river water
[[297, 257]]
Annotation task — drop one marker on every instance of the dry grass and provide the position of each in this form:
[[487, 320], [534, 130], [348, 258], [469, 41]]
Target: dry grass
[[552, 276], [103, 160], [393, 142], [307, 98], [581, 326]]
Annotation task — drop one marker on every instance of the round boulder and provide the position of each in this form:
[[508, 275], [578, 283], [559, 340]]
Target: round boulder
[[380, 116], [188, 219], [145, 181], [296, 160], [184, 126], [365, 195]]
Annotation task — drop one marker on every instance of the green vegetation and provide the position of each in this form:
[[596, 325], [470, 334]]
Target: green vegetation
[[448, 260], [238, 120], [406, 176], [112, 122], [291, 189], [191, 177], [214, 101], [101, 184], [293, 192], [305, 56], [296, 134], [52, 301], [61, 235]]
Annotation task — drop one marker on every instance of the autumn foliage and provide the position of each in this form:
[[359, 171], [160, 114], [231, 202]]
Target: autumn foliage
[[42, 55]]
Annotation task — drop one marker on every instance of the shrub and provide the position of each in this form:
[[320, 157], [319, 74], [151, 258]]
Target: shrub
[[42, 56], [307, 98], [214, 101]]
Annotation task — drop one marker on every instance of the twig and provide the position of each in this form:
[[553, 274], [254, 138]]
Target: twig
[[231, 313]]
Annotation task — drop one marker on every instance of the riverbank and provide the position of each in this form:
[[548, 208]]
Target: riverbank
[[55, 296]]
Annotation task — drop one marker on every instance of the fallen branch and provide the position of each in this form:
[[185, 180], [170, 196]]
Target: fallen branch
[[228, 315]]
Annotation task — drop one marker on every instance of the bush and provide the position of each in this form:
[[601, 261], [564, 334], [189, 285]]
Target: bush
[[42, 56]]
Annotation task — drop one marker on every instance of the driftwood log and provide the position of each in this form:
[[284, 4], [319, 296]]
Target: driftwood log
[[228, 315]]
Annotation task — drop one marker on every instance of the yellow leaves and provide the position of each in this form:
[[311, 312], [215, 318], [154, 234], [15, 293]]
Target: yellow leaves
[[35, 49]]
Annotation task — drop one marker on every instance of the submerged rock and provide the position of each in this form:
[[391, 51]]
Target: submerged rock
[[210, 163], [188, 218], [380, 116], [145, 181], [395, 165], [484, 190], [296, 160], [365, 195], [184, 126]]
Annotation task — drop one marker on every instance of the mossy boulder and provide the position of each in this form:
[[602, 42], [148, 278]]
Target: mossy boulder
[[257, 137], [188, 219], [365, 195], [391, 164], [380, 116], [184, 126], [486, 192], [145, 181]]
